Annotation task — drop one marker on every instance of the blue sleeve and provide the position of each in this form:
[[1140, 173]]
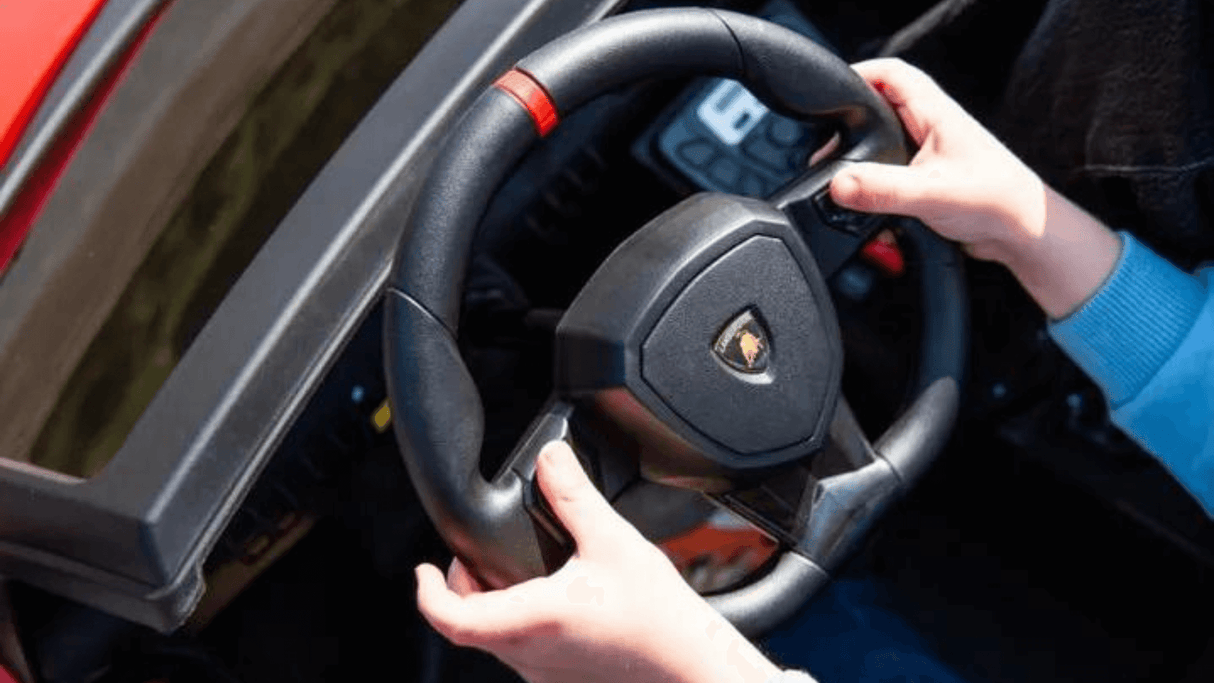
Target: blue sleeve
[[1147, 339]]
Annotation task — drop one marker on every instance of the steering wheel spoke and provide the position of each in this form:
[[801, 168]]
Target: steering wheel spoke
[[838, 509], [820, 512], [615, 475], [552, 424], [821, 508], [834, 234]]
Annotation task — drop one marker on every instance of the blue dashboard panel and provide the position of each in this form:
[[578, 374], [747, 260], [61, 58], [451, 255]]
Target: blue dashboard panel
[[722, 138]]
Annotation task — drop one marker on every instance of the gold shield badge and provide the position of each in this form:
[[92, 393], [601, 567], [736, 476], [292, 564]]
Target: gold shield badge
[[744, 345]]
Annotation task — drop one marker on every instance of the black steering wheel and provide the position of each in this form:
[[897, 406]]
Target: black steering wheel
[[704, 353]]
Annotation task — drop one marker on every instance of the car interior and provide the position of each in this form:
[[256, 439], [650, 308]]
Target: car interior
[[228, 418]]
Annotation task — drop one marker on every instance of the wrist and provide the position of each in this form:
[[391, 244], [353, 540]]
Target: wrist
[[719, 653], [1010, 225], [1062, 257]]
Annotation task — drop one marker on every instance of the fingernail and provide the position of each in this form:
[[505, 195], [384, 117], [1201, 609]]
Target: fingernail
[[844, 183]]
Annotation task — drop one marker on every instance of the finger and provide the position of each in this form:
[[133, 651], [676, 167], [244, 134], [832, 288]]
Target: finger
[[919, 102], [884, 188], [576, 502], [434, 598], [461, 580], [479, 619], [439, 605]]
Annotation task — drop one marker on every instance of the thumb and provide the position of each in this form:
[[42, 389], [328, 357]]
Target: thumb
[[883, 188], [578, 505]]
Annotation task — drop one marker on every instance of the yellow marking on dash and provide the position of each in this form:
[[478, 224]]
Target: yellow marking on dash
[[382, 419]]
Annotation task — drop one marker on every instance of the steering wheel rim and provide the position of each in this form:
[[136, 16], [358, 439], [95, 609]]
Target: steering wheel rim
[[498, 527]]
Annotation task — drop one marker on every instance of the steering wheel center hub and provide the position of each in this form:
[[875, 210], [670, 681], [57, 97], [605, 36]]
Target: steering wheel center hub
[[715, 321]]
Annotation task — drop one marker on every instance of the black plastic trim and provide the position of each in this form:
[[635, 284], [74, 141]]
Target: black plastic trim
[[759, 607]]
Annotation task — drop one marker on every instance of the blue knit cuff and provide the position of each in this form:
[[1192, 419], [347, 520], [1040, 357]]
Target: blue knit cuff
[[1133, 324]]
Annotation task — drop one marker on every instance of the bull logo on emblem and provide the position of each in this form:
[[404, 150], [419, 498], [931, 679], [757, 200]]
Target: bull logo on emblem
[[743, 345]]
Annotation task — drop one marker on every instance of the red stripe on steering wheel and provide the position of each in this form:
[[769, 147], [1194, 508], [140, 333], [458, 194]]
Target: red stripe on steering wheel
[[532, 96]]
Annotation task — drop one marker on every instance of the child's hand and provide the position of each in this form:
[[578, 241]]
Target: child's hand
[[964, 184], [617, 611]]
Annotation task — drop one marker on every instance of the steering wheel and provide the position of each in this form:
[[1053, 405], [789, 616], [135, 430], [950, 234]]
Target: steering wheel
[[704, 353]]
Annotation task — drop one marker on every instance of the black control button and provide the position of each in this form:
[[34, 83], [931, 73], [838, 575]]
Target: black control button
[[753, 186], [697, 152], [726, 171], [839, 218], [767, 154], [784, 132]]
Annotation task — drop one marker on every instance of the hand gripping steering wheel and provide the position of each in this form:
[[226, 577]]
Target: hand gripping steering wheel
[[704, 353]]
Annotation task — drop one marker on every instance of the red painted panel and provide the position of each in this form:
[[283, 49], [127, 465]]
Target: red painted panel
[[17, 221], [36, 38]]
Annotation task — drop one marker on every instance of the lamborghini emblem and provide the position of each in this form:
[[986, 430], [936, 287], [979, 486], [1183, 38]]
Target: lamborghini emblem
[[744, 345]]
